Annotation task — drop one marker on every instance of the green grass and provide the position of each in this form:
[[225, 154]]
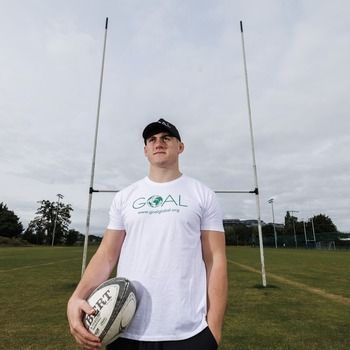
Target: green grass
[[37, 282], [34, 297], [284, 317]]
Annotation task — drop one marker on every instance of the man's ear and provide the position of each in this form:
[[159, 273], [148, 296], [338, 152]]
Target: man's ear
[[181, 147]]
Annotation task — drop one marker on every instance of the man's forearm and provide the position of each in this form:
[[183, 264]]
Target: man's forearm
[[217, 295], [102, 263], [96, 272]]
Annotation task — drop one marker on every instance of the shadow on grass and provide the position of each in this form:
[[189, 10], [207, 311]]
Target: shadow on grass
[[269, 286]]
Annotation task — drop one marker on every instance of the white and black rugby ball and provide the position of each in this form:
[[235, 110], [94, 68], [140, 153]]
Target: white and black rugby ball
[[114, 302]]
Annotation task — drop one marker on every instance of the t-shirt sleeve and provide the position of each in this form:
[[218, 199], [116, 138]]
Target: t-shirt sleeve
[[212, 218], [115, 214]]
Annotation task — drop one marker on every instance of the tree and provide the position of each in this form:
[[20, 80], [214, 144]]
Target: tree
[[43, 224], [10, 226], [71, 237], [230, 236], [29, 235], [95, 239], [290, 222], [323, 223], [243, 234], [36, 232]]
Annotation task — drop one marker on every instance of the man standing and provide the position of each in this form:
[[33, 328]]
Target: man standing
[[166, 235]]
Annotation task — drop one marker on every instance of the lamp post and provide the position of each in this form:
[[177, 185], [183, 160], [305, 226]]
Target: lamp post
[[60, 196], [273, 220]]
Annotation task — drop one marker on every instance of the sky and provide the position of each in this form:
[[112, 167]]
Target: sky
[[180, 60]]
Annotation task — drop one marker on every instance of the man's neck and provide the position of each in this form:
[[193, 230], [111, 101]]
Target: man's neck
[[163, 175]]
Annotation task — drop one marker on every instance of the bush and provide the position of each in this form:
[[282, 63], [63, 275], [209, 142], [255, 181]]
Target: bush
[[12, 242]]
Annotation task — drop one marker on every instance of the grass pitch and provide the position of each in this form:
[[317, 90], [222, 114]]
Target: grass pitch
[[306, 304]]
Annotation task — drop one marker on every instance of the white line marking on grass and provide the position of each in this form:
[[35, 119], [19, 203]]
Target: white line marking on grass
[[37, 265], [320, 292]]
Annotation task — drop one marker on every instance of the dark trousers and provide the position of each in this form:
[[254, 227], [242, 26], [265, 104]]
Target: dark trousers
[[201, 341]]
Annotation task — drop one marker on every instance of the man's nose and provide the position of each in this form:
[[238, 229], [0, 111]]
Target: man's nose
[[159, 143]]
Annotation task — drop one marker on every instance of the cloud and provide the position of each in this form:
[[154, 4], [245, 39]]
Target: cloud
[[183, 62]]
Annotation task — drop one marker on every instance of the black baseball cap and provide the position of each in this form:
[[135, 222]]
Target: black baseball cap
[[160, 126]]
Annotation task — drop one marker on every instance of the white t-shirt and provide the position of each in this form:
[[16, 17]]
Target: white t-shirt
[[162, 254]]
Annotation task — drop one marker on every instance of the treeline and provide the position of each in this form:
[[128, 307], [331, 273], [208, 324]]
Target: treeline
[[293, 233], [50, 225]]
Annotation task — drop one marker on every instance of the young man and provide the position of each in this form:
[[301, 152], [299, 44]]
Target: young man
[[166, 235]]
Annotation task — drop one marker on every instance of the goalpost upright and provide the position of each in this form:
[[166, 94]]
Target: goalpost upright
[[262, 259], [91, 188]]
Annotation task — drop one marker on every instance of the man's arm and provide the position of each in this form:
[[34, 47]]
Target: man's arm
[[214, 255], [98, 271]]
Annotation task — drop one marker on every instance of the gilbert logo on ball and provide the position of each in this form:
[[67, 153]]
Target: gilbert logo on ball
[[114, 302]]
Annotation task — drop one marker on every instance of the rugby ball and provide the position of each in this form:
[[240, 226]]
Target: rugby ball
[[114, 302]]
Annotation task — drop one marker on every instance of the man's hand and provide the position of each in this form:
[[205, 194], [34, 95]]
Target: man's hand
[[75, 312]]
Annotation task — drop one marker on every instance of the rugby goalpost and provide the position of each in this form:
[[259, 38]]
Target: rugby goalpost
[[256, 188]]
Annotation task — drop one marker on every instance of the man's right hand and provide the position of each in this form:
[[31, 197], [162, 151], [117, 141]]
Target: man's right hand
[[75, 311]]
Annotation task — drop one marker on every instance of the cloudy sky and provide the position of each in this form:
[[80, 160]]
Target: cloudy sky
[[181, 60]]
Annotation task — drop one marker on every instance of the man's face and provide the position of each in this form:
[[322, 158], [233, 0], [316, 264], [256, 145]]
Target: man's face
[[163, 149]]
